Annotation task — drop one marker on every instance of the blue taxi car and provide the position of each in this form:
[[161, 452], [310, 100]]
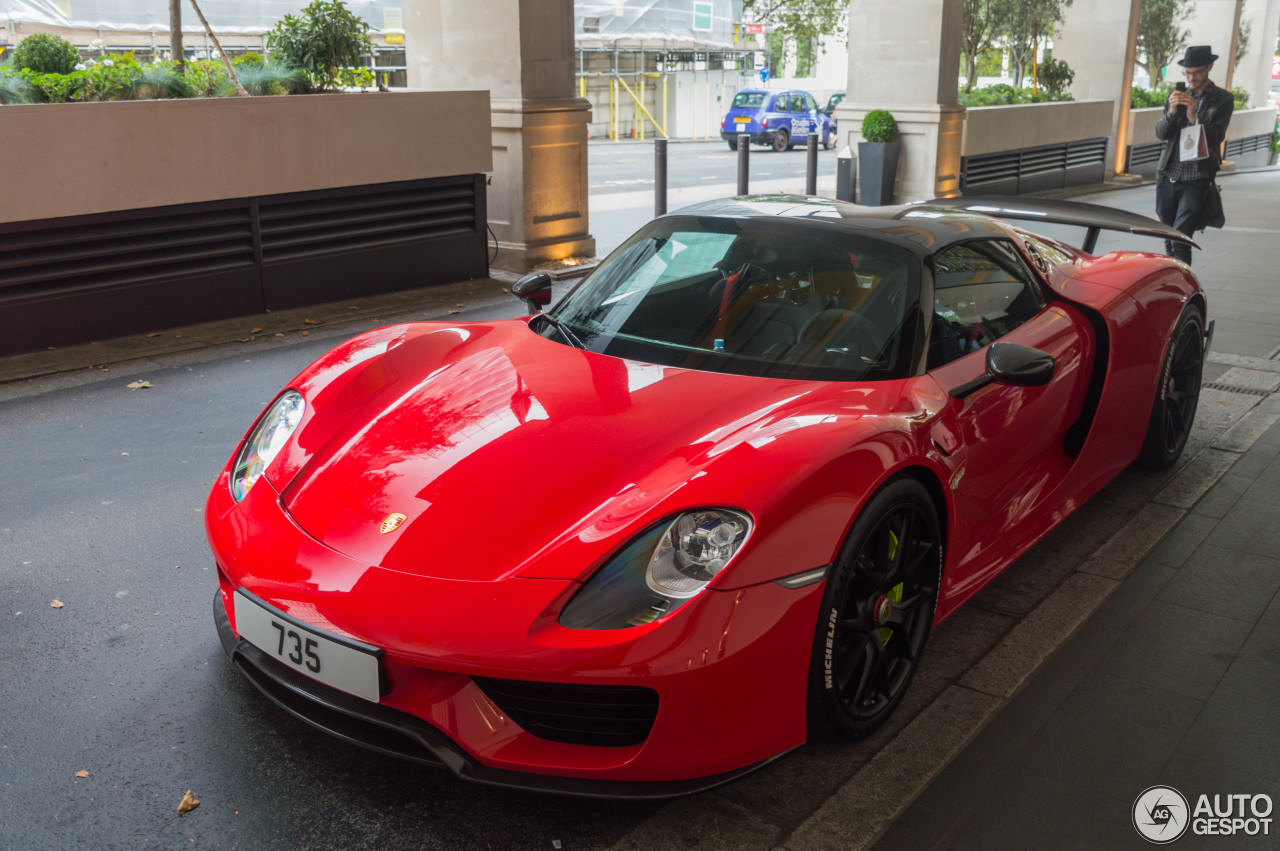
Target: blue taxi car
[[777, 118]]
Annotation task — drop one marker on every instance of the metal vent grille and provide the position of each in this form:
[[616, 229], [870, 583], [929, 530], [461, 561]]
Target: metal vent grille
[[1231, 388], [604, 716], [1247, 145], [990, 168], [105, 254], [1145, 154], [312, 226], [1087, 153], [1032, 169], [1043, 161]]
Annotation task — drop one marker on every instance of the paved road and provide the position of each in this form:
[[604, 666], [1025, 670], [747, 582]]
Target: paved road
[[621, 182], [101, 510], [628, 166]]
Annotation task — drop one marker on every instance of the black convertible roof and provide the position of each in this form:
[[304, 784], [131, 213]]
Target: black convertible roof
[[933, 225]]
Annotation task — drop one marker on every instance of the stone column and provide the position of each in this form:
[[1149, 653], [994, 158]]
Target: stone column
[[1255, 72], [1093, 39], [522, 52], [905, 57]]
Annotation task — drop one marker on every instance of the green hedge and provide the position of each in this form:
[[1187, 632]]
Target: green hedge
[[1002, 94], [1145, 99], [122, 77]]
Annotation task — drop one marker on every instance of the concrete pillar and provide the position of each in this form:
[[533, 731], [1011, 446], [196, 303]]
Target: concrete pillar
[[522, 52], [905, 57], [1253, 74], [1093, 38]]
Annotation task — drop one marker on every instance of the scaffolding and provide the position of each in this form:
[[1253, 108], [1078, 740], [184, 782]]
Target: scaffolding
[[641, 92]]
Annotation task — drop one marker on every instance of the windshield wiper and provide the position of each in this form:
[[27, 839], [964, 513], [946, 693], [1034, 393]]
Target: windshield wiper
[[569, 336]]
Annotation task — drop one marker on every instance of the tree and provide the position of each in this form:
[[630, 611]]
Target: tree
[[979, 30], [325, 41], [1026, 24], [1161, 34], [231, 71], [1242, 40], [798, 21]]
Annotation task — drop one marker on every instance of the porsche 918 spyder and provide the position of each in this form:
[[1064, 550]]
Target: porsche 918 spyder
[[635, 545]]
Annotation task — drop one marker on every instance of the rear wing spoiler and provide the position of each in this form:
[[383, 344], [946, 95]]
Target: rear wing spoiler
[[1093, 217]]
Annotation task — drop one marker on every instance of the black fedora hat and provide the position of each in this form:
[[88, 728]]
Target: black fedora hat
[[1198, 56]]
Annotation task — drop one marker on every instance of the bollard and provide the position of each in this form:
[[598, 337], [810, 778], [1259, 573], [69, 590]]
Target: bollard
[[811, 169], [744, 170], [659, 177], [846, 176]]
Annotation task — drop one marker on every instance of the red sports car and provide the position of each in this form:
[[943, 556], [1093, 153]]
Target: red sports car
[[634, 545]]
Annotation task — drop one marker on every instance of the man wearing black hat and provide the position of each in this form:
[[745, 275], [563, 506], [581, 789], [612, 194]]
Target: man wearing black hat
[[1182, 186]]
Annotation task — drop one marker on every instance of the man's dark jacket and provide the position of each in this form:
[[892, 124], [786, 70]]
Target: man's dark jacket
[[1213, 110]]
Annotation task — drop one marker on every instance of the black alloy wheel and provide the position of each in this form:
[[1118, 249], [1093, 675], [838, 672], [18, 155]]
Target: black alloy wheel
[[877, 610], [782, 141], [1174, 411]]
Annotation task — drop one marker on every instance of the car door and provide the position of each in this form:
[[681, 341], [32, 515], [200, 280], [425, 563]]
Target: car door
[[817, 119], [1008, 446], [802, 122]]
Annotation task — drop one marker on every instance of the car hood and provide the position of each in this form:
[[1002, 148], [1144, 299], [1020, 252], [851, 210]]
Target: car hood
[[498, 446]]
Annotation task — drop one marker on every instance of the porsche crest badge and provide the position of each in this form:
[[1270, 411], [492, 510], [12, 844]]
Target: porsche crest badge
[[392, 522]]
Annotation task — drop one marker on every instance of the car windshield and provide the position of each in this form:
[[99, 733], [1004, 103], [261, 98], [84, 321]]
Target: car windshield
[[748, 100], [764, 297]]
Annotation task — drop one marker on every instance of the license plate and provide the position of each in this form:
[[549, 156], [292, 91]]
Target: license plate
[[741, 120], [343, 663]]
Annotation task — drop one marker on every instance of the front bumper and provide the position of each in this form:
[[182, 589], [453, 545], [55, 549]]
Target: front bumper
[[730, 668], [399, 734], [759, 137]]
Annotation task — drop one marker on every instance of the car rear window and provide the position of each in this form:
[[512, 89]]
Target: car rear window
[[748, 100]]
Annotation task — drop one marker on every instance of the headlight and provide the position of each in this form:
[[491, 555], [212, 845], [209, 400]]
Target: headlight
[[659, 571], [265, 441]]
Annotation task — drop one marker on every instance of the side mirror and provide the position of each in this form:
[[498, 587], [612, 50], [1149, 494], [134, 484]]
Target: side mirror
[[535, 289], [1014, 365]]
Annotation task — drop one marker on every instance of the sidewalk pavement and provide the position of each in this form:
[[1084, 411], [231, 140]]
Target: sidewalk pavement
[[1175, 679]]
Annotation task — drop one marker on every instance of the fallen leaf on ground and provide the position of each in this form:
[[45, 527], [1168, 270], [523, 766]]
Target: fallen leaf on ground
[[56, 604], [188, 803], [154, 335], [81, 774], [353, 307], [451, 312], [139, 385], [313, 322], [304, 333], [255, 330]]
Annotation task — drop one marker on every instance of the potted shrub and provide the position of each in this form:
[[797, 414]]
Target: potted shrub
[[878, 158], [1275, 147]]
